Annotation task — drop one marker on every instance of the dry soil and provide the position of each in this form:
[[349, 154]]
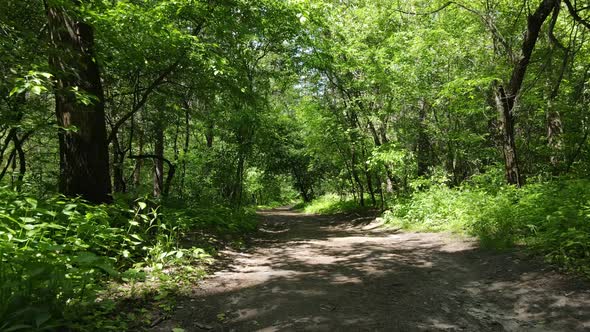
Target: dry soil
[[338, 273]]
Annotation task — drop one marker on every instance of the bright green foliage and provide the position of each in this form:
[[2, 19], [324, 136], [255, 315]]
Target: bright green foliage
[[56, 251], [214, 107], [330, 204], [550, 217]]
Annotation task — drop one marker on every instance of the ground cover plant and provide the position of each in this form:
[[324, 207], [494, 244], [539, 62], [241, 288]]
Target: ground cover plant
[[58, 254]]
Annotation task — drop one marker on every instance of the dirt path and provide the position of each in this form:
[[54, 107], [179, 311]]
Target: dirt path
[[312, 273]]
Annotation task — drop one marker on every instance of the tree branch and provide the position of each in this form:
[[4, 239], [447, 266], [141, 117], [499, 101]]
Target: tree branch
[[143, 100], [575, 15], [552, 23]]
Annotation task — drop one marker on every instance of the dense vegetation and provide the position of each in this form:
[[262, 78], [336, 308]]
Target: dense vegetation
[[137, 135]]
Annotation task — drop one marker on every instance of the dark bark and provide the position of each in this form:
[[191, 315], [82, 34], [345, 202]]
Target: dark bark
[[11, 157], [209, 135], [158, 161], [302, 187], [22, 162], [11, 134], [506, 96], [239, 181], [84, 161], [139, 162], [16, 152], [511, 167], [119, 185]]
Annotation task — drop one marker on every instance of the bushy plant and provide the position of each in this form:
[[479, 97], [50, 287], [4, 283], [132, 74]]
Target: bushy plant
[[56, 252], [331, 203], [550, 217]]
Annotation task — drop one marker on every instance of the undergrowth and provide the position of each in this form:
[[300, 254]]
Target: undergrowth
[[552, 218], [330, 204], [58, 256]]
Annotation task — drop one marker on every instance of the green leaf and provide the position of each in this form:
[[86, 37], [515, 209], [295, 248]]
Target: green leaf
[[137, 237], [42, 318], [36, 89], [20, 327]]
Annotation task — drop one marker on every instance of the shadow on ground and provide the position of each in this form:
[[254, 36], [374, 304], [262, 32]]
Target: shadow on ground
[[318, 273]]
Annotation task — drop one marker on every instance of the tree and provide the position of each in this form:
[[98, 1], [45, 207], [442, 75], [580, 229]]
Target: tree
[[506, 95], [79, 97]]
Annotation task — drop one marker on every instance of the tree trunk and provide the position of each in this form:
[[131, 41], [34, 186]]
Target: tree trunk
[[22, 162], [187, 136], [238, 185], [554, 125], [209, 135], [423, 144], [370, 187], [139, 162], [505, 109], [84, 160], [357, 179], [118, 173], [158, 161], [506, 98], [555, 137], [369, 179]]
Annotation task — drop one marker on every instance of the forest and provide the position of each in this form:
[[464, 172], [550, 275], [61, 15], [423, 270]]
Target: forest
[[139, 137]]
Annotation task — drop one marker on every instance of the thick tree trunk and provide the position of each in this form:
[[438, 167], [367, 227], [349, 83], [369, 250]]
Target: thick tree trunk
[[84, 160]]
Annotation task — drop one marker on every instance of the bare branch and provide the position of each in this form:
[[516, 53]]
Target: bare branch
[[575, 14]]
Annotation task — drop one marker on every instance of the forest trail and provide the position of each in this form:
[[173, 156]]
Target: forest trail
[[322, 273]]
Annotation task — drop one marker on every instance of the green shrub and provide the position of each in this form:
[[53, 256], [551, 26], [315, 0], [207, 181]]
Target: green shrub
[[56, 253], [550, 217], [330, 204]]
